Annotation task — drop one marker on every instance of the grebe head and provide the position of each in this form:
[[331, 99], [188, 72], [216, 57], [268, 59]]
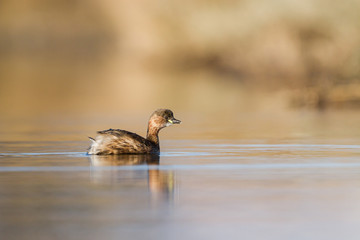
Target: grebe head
[[162, 118]]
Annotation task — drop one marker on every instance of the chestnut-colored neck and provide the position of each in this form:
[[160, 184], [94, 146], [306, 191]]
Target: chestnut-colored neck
[[153, 131]]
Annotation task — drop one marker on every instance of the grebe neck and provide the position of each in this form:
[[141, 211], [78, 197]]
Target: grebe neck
[[153, 133]]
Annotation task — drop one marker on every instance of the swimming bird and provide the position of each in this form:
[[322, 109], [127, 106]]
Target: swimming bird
[[117, 141]]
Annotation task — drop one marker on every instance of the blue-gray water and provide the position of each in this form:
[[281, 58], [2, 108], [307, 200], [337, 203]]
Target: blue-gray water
[[293, 187]]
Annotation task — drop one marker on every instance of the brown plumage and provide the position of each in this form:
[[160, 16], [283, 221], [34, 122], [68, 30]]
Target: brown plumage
[[117, 141]]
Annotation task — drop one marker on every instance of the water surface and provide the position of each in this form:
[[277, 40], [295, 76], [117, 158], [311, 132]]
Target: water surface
[[260, 188]]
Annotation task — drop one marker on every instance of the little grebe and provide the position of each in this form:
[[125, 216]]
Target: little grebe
[[116, 141]]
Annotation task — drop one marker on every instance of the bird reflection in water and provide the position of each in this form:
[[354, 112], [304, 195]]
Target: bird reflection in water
[[107, 170]]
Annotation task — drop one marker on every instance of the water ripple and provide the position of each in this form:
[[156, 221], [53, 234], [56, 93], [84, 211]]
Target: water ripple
[[79, 154], [182, 167]]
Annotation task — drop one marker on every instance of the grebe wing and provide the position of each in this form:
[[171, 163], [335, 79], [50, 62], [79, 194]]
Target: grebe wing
[[117, 141], [118, 133]]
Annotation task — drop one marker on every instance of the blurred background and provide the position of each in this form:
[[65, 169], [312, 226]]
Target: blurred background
[[92, 57], [268, 92]]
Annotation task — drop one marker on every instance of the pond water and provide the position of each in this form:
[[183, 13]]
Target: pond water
[[293, 186]]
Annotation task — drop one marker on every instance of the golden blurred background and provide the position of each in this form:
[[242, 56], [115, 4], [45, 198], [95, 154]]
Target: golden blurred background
[[96, 57]]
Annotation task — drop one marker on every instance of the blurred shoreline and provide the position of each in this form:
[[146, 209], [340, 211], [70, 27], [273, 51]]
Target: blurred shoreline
[[102, 56]]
